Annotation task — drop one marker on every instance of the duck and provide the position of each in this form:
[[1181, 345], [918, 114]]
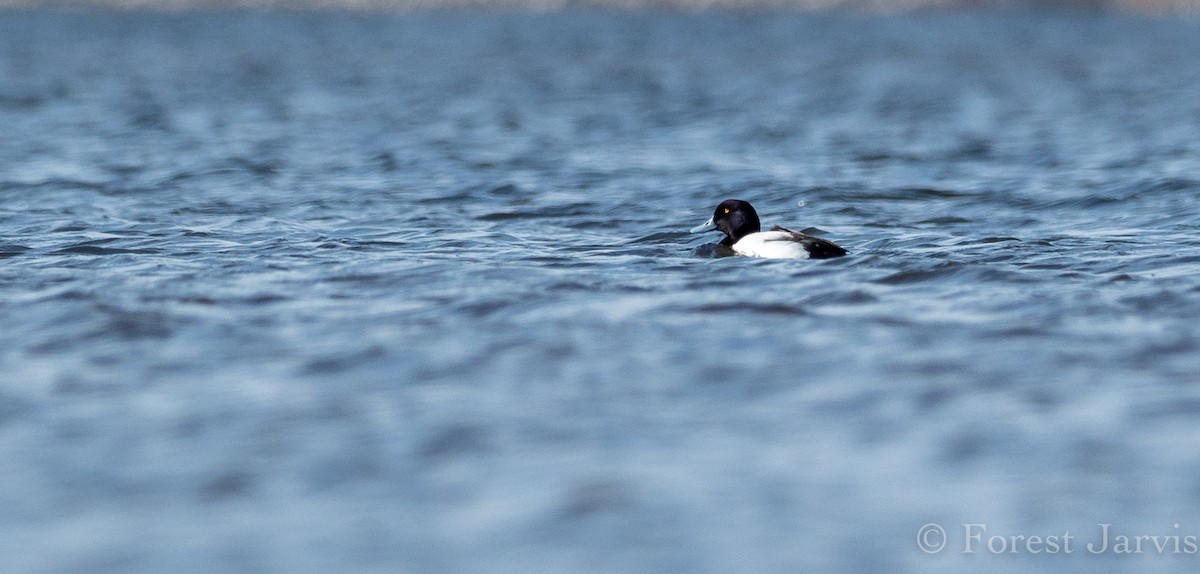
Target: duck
[[739, 222]]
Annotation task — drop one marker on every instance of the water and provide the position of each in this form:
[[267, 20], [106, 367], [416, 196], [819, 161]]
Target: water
[[312, 292]]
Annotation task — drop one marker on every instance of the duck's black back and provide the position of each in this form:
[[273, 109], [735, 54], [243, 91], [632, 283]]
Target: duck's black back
[[816, 247]]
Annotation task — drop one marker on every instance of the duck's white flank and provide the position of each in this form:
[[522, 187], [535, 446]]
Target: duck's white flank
[[772, 245]]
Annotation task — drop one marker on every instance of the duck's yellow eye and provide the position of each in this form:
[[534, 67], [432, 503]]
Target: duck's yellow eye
[[726, 210]]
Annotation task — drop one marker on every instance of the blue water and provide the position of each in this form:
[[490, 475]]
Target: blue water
[[318, 292]]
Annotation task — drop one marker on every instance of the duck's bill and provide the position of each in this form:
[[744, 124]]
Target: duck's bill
[[706, 226]]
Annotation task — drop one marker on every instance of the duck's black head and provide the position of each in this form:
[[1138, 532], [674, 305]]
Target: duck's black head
[[733, 217]]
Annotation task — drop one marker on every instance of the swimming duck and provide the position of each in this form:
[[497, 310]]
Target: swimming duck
[[739, 222]]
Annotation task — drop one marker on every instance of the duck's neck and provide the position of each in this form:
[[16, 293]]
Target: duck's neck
[[741, 231]]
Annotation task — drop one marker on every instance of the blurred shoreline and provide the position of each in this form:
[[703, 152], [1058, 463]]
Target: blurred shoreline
[[1161, 7]]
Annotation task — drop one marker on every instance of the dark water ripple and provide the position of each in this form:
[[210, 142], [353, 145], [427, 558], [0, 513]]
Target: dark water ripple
[[332, 292]]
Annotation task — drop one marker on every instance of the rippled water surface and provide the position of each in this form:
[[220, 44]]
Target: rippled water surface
[[286, 292]]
